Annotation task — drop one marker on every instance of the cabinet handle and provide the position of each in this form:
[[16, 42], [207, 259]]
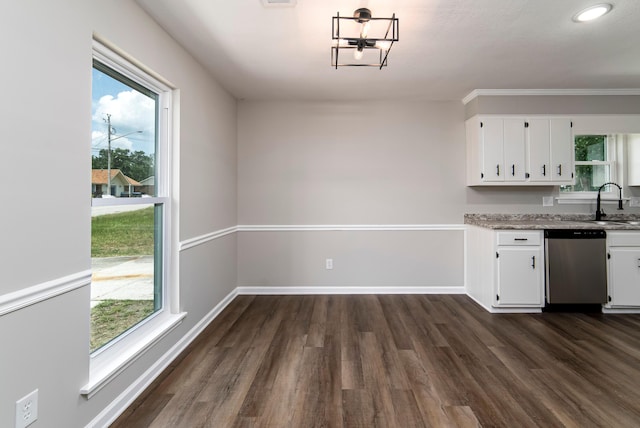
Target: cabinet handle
[[560, 170], [544, 170], [498, 170], [513, 170], [520, 239], [533, 262], [639, 263]]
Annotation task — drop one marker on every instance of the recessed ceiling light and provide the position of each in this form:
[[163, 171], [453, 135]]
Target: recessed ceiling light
[[593, 12]]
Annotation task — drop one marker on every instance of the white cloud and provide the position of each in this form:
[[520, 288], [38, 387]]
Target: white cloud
[[130, 112]]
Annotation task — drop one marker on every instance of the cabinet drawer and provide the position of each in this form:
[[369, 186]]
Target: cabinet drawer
[[623, 239], [519, 238]]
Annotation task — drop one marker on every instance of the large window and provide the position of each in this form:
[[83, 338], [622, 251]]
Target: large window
[[129, 194], [594, 163]]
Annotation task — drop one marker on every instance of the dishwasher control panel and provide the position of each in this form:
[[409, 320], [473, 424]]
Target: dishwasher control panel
[[575, 234]]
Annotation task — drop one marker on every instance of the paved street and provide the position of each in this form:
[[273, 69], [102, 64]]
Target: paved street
[[121, 278]]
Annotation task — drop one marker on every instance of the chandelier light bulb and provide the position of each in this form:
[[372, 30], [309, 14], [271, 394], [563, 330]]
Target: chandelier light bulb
[[358, 54], [385, 45], [364, 32]]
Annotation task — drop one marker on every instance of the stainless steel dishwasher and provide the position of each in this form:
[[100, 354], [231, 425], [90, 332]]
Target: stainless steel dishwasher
[[576, 269]]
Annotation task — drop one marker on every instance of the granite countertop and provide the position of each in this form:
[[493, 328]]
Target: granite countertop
[[551, 221]]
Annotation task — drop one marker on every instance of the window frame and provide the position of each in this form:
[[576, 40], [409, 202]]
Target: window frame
[[112, 358], [612, 149]]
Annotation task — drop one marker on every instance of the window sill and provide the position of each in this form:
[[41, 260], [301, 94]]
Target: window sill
[[580, 199], [108, 364]]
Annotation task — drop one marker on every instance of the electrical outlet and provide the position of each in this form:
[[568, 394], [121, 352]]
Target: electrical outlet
[[329, 264], [547, 201], [27, 410], [634, 202]]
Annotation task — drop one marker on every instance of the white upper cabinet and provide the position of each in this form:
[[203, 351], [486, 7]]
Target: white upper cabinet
[[514, 150], [633, 159], [492, 146], [539, 150], [505, 150], [550, 150], [562, 151]]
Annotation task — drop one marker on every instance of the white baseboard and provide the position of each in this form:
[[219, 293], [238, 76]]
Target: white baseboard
[[620, 310], [124, 400], [348, 290], [514, 310]]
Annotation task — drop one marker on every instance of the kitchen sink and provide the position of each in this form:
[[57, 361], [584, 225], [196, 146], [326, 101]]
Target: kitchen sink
[[631, 222]]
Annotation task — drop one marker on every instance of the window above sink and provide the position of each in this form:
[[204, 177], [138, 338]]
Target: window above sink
[[595, 164]]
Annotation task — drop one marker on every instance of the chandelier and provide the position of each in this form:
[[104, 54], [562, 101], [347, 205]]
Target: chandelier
[[362, 40]]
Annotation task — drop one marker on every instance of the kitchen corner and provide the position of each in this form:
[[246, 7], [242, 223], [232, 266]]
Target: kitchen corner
[[544, 262]]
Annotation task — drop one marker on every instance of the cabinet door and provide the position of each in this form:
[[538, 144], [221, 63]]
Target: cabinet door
[[561, 143], [492, 137], [633, 159], [539, 150], [514, 150], [520, 276], [624, 276]]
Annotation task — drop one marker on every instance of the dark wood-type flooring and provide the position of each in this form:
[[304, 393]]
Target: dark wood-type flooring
[[397, 361]]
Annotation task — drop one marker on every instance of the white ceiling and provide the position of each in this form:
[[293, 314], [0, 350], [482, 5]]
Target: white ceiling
[[447, 48]]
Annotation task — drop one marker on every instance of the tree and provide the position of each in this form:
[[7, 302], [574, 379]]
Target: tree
[[588, 148], [137, 165]]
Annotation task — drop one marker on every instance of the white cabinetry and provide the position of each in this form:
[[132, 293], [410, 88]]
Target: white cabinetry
[[519, 151], [496, 150], [633, 159], [623, 269], [505, 269], [550, 150]]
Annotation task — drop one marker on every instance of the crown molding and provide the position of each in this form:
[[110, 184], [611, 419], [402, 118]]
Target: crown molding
[[514, 92]]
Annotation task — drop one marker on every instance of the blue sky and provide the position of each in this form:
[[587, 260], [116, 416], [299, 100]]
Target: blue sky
[[130, 112]]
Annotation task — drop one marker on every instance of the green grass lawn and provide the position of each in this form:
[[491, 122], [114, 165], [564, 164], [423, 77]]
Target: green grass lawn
[[123, 234], [111, 318]]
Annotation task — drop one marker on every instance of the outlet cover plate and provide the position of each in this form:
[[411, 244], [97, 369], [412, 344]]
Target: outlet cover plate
[[27, 410], [634, 202], [547, 201]]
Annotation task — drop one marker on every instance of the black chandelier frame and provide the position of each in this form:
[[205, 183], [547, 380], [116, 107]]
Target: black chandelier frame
[[391, 36]]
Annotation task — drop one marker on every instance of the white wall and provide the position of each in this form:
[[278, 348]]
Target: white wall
[[45, 220], [350, 163], [368, 163]]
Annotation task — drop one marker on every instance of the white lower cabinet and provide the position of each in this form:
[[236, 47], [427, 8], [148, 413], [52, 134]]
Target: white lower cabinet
[[520, 281], [623, 269], [505, 269]]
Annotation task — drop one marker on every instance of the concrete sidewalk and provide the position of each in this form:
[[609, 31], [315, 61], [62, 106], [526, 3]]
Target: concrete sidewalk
[[98, 211], [121, 278]]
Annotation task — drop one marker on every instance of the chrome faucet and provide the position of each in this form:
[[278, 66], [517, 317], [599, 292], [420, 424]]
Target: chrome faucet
[[599, 212]]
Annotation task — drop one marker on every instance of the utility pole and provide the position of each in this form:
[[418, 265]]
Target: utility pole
[[110, 138], [108, 120]]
